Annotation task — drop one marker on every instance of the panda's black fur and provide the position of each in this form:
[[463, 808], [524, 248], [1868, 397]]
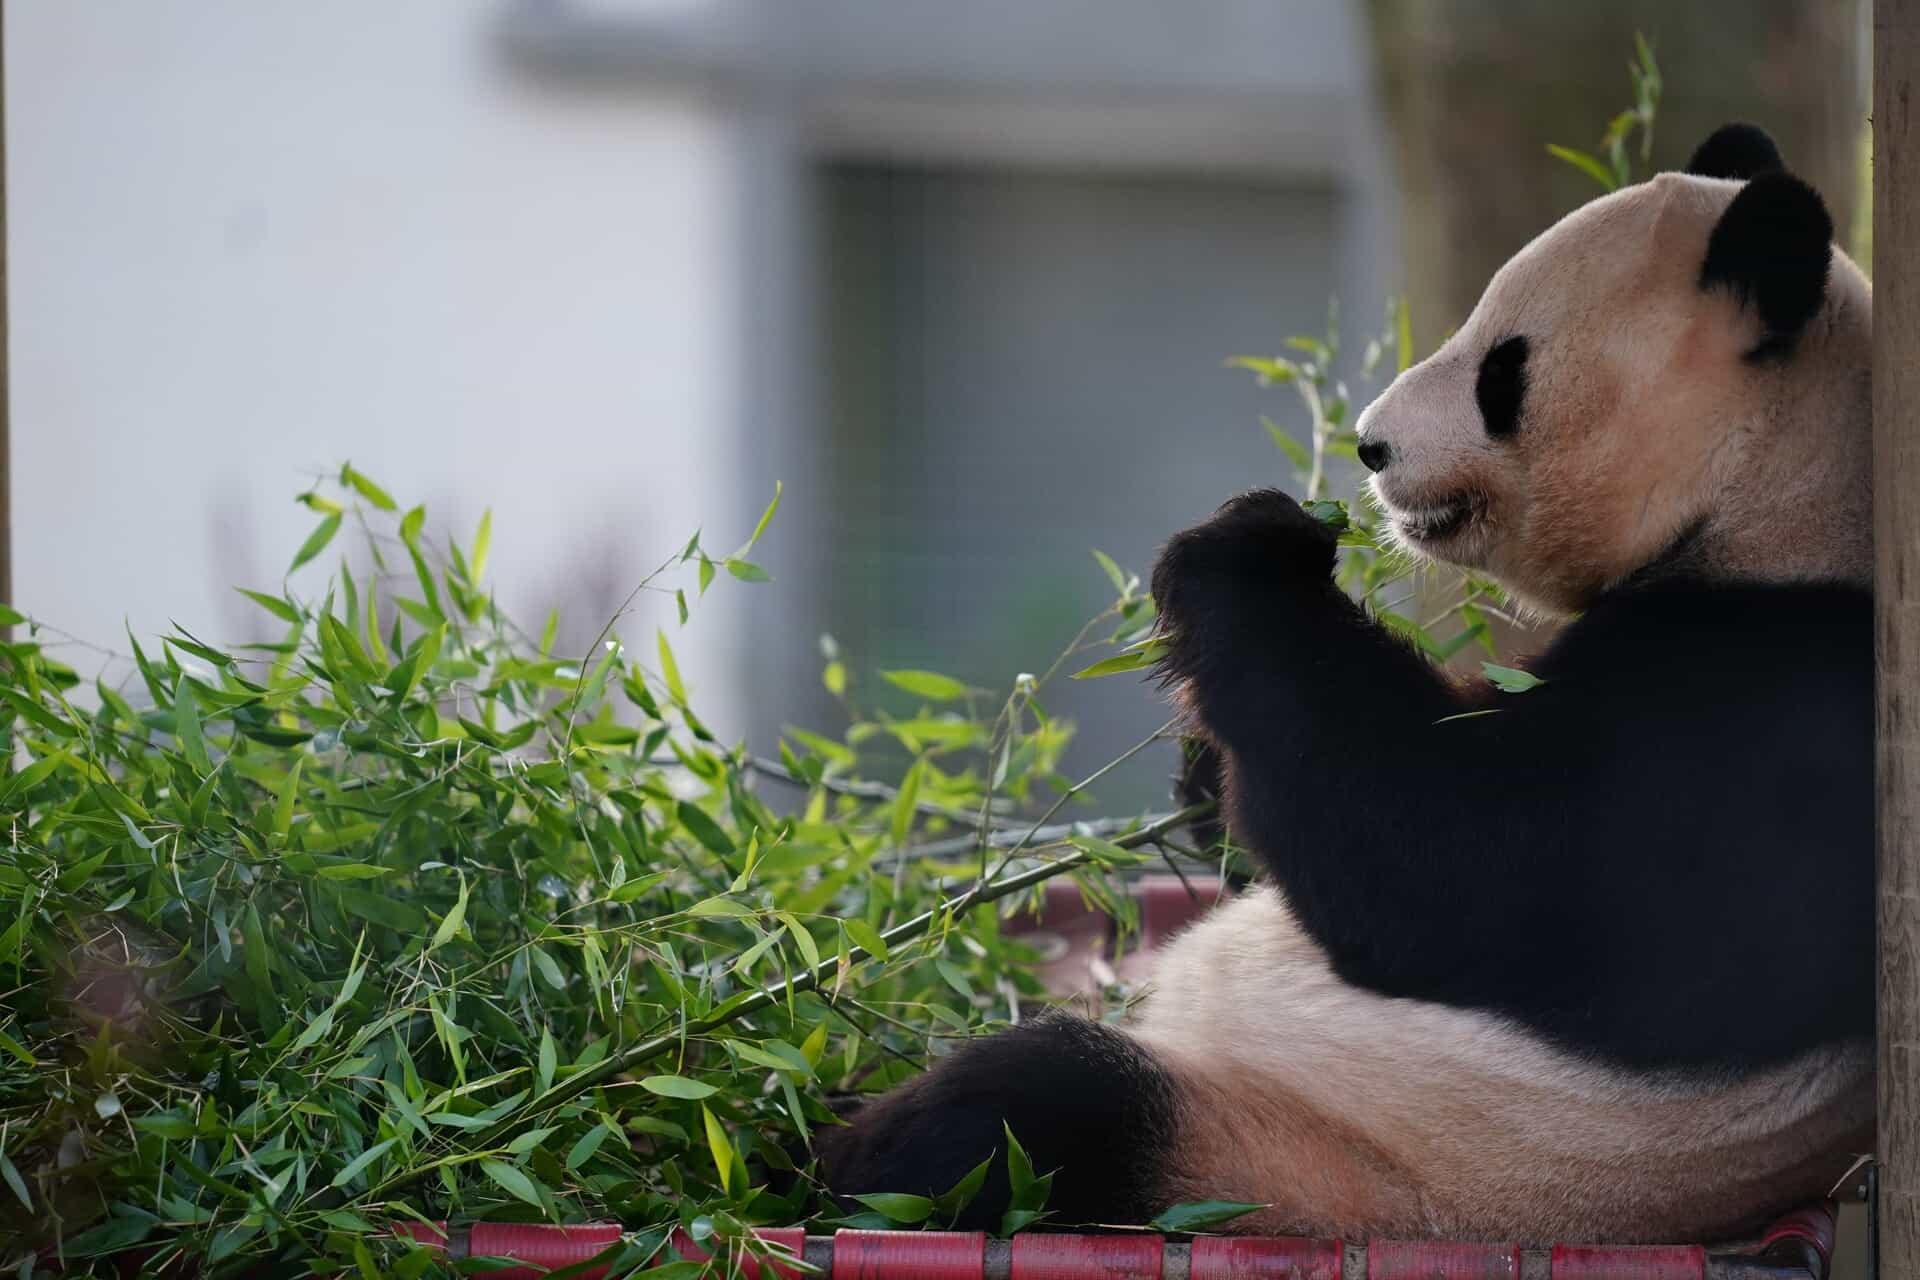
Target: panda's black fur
[[1661, 854], [1643, 880]]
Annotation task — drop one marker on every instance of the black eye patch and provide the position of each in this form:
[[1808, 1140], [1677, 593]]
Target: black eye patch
[[1502, 385]]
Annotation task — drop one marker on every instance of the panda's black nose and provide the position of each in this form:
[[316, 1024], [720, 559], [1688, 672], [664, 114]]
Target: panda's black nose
[[1375, 454]]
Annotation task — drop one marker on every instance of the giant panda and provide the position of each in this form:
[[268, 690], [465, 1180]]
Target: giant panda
[[1596, 963]]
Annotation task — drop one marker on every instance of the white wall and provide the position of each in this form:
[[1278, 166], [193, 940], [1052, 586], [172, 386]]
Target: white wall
[[252, 238]]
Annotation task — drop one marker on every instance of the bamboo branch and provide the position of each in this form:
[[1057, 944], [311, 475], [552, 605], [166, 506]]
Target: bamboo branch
[[646, 1051]]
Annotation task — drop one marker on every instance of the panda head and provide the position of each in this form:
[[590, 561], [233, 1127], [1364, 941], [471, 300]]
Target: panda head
[[1676, 372]]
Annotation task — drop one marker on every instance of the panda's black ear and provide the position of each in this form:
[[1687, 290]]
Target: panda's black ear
[[1771, 249], [1738, 151]]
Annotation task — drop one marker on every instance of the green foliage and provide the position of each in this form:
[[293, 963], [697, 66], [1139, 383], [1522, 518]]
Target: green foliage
[[1202, 1214], [406, 914], [1616, 170], [1510, 679], [1441, 610]]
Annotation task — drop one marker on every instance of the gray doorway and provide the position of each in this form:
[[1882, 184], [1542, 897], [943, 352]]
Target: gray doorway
[[1020, 367]]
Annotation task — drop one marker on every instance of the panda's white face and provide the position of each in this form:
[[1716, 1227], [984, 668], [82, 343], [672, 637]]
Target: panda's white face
[[1600, 404]]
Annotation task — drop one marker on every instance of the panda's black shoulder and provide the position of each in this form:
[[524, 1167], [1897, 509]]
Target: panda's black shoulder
[[1675, 630], [1726, 730]]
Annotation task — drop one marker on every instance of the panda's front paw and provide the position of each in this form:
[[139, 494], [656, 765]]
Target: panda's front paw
[[1253, 548]]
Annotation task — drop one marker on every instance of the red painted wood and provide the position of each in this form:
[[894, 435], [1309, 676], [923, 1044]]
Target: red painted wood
[[543, 1248], [431, 1234], [787, 1240], [1265, 1258], [1441, 1260], [1039, 1256], [909, 1255], [1813, 1224], [1629, 1262], [952, 1255]]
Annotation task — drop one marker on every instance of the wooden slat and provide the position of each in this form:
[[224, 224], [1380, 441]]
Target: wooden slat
[[1896, 507], [6, 400]]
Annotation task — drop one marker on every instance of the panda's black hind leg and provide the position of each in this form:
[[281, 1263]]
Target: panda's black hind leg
[[1088, 1103]]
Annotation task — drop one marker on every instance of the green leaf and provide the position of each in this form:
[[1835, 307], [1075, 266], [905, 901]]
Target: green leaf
[[1297, 453], [904, 801], [15, 1182], [957, 1197], [1269, 369], [589, 1142], [670, 671], [547, 1062], [354, 871], [316, 541], [1014, 1221], [721, 908], [529, 1140], [549, 968], [1329, 512], [766, 517], [1510, 679], [110, 1236], [1106, 852], [724, 1158], [451, 922], [926, 684], [482, 544], [18, 1050], [1402, 335], [360, 1162], [1587, 164], [898, 1207], [1020, 1179], [701, 826], [274, 605], [774, 1055], [512, 1181], [1112, 570], [747, 570], [392, 913], [678, 1087], [865, 936], [1201, 1214], [367, 489], [320, 1026], [809, 950], [174, 1125], [186, 726], [1132, 660]]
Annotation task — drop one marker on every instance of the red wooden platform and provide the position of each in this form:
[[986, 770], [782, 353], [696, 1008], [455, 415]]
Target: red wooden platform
[[1797, 1247]]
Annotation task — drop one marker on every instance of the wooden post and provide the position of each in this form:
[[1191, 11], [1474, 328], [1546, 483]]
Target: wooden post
[[6, 449], [1896, 527]]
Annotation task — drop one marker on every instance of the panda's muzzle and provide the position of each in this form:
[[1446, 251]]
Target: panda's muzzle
[[1438, 523]]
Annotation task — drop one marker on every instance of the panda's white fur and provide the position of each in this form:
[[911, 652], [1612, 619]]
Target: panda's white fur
[[1365, 1114]]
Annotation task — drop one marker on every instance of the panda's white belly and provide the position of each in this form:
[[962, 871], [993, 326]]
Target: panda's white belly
[[1352, 1112]]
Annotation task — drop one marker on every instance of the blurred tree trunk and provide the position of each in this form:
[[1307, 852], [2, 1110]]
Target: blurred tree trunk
[[1474, 90]]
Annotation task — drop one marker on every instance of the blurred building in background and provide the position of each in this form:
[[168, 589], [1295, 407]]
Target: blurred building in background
[[963, 276]]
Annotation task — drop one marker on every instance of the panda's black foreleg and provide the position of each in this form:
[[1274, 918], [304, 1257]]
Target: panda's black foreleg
[[1342, 772], [1268, 650], [1087, 1103]]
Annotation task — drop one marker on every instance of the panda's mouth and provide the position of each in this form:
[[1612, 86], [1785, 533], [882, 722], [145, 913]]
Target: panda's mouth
[[1436, 523]]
